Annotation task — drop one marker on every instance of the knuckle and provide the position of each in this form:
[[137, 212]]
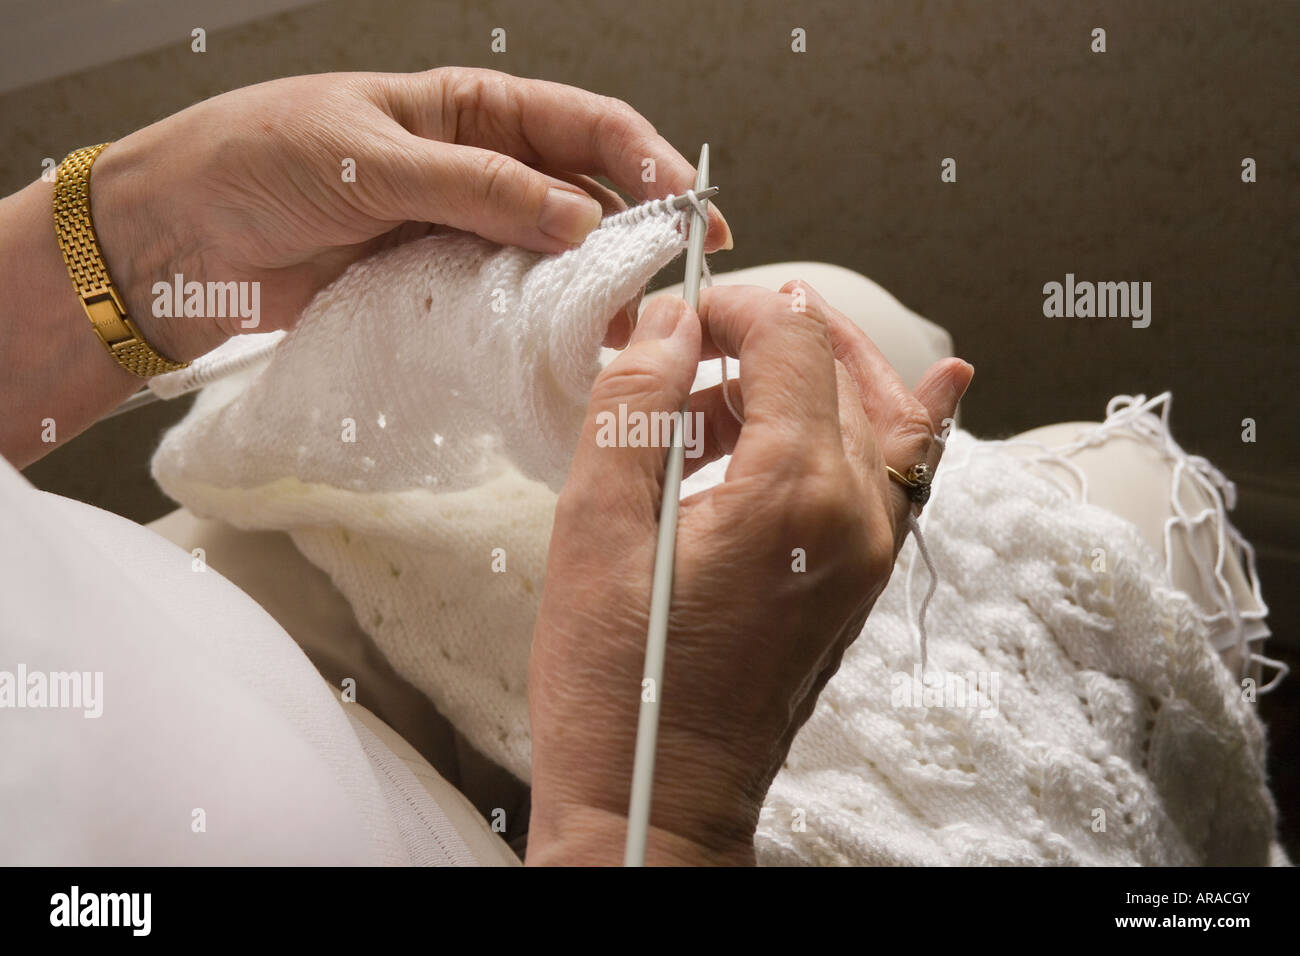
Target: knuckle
[[474, 82], [913, 426], [441, 76], [471, 96], [799, 286], [496, 173], [620, 123], [620, 110], [822, 501], [614, 104], [635, 378], [807, 316], [447, 85]]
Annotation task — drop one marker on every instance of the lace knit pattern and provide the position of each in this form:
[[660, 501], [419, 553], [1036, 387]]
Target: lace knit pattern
[[1073, 712]]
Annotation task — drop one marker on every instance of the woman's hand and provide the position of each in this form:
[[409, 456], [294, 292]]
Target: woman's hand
[[753, 638], [287, 183]]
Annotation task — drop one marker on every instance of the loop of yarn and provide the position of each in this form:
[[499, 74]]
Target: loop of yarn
[[914, 527], [726, 381], [656, 207], [1148, 419]]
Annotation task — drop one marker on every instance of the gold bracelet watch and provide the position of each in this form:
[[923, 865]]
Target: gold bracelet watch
[[89, 272]]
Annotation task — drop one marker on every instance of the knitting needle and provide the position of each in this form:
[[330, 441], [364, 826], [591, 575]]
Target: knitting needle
[[146, 397], [684, 201], [647, 728]]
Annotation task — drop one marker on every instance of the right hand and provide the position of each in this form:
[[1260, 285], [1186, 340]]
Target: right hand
[[752, 641]]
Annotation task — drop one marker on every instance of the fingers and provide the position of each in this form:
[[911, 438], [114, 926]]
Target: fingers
[[942, 387], [619, 332], [718, 429], [480, 191], [902, 423], [570, 128], [619, 465], [787, 376], [911, 440], [610, 201], [550, 125], [856, 431], [884, 396]]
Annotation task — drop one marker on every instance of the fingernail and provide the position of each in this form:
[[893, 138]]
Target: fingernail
[[970, 375], [626, 325], [729, 241], [619, 332], [659, 320], [568, 216]]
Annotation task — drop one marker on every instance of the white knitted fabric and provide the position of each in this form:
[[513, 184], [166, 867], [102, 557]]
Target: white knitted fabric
[[1087, 719], [1114, 734], [439, 386]]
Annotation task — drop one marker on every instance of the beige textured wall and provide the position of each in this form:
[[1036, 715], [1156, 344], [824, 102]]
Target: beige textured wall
[[1122, 166]]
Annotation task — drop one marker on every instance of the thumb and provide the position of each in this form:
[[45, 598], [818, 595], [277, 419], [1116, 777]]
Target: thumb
[[634, 402], [487, 193], [941, 388]]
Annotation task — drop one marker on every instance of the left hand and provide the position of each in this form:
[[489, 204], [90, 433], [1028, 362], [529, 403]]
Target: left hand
[[249, 185]]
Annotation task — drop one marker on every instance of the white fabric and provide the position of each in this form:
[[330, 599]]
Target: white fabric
[[1084, 658], [207, 705]]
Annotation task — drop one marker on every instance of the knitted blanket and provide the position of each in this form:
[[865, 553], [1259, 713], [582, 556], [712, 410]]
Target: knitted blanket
[[411, 432]]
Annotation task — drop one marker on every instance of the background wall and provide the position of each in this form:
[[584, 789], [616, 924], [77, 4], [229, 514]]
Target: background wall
[[1122, 166]]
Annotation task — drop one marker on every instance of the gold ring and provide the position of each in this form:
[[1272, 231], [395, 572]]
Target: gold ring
[[916, 482]]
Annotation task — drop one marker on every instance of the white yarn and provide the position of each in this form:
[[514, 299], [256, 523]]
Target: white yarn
[[914, 528], [1229, 625], [1111, 696]]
